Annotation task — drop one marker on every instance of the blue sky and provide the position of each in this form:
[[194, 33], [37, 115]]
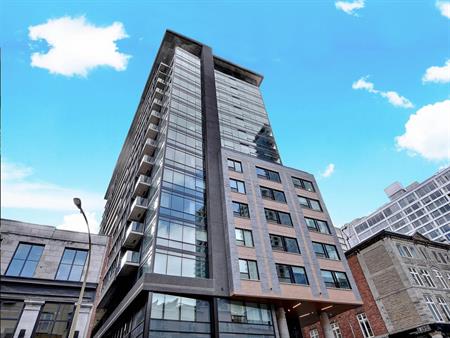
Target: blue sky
[[63, 126]]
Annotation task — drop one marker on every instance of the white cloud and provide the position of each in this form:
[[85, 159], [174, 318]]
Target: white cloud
[[394, 98], [427, 132], [329, 170], [438, 74], [20, 190], [76, 222], [76, 46], [444, 8], [350, 7]]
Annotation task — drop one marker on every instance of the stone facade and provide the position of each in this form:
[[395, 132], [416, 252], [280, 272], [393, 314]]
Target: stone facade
[[30, 294]]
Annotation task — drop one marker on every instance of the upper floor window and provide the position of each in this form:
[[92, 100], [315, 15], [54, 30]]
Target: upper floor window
[[405, 251], [415, 276], [317, 225], [237, 186], [323, 250], [243, 237], [25, 260], [273, 194], [268, 174], [72, 265], [278, 217], [441, 279], [252, 313], [282, 243], [234, 165], [335, 279], [433, 308], [171, 307], [309, 203], [240, 209], [54, 320], [291, 274], [248, 269], [427, 278], [303, 184], [365, 325], [444, 307]]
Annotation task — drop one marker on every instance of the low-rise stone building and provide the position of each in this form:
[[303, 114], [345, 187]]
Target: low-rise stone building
[[42, 269], [404, 282]]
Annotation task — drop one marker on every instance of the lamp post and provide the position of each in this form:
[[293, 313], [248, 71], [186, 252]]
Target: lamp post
[[77, 203]]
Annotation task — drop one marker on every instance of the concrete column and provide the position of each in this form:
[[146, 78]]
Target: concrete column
[[326, 326], [29, 317], [83, 321], [282, 323]]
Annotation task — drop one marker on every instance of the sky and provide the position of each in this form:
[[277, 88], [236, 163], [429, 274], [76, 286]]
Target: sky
[[358, 92]]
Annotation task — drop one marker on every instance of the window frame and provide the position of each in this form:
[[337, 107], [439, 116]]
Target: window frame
[[267, 175], [243, 231], [239, 185], [308, 201], [284, 247], [302, 184], [235, 214], [316, 225], [364, 324], [24, 260], [277, 213], [247, 261], [233, 168], [325, 250], [54, 320], [72, 264], [10, 319], [433, 308], [335, 279], [272, 192], [291, 273]]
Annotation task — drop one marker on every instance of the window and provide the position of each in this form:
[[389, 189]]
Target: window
[[25, 260], [365, 326], [234, 165], [433, 308], [317, 225], [237, 186], [416, 277], [314, 333], [323, 250], [54, 320], [268, 174], [335, 279], [427, 278], [180, 264], [170, 307], [292, 274], [282, 243], [252, 313], [248, 269], [405, 251], [9, 317], [71, 265], [444, 307], [309, 203], [441, 279], [273, 194], [240, 209], [278, 217], [243, 237], [336, 330], [303, 184]]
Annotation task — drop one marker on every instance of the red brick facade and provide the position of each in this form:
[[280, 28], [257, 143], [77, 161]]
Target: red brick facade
[[348, 323]]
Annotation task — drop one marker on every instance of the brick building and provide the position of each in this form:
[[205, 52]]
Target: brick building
[[404, 282]]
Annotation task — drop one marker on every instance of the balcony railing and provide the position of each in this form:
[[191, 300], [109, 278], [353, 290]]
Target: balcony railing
[[152, 131], [138, 209], [158, 93], [150, 146], [156, 105], [133, 235], [142, 186], [146, 165], [129, 263], [155, 117]]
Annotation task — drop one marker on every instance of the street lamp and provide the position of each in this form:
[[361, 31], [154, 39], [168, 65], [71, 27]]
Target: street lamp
[[77, 203]]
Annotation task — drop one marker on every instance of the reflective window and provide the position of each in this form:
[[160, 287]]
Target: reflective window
[[170, 307], [237, 186], [303, 184], [10, 312], [292, 274], [248, 312], [433, 308], [335, 279], [272, 194], [365, 325], [54, 320], [25, 260], [243, 237], [282, 243], [180, 264], [268, 174], [240, 209], [278, 217], [323, 250], [234, 165], [309, 203], [317, 225], [248, 269], [71, 265]]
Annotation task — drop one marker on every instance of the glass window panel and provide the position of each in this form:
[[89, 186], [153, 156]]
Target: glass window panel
[[35, 253], [171, 308], [319, 250], [332, 252], [15, 267], [299, 275], [283, 273], [176, 232], [68, 256], [342, 280], [75, 274], [276, 242], [188, 235], [188, 267], [80, 257], [323, 227], [28, 269], [327, 277], [311, 224], [239, 233], [279, 196], [165, 200], [157, 306], [163, 229], [285, 218], [243, 268], [315, 205], [63, 272], [160, 263], [248, 238], [303, 201], [188, 309], [173, 265], [178, 178], [308, 185], [291, 245], [177, 203], [22, 251], [253, 313]]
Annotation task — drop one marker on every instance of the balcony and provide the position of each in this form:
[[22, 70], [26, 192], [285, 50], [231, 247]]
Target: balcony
[[129, 263], [156, 105], [160, 83], [149, 147], [152, 131], [158, 93], [142, 185], [138, 209], [146, 165], [133, 235], [155, 117]]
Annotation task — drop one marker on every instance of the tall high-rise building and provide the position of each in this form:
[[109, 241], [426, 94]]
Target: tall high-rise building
[[211, 234], [420, 207]]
